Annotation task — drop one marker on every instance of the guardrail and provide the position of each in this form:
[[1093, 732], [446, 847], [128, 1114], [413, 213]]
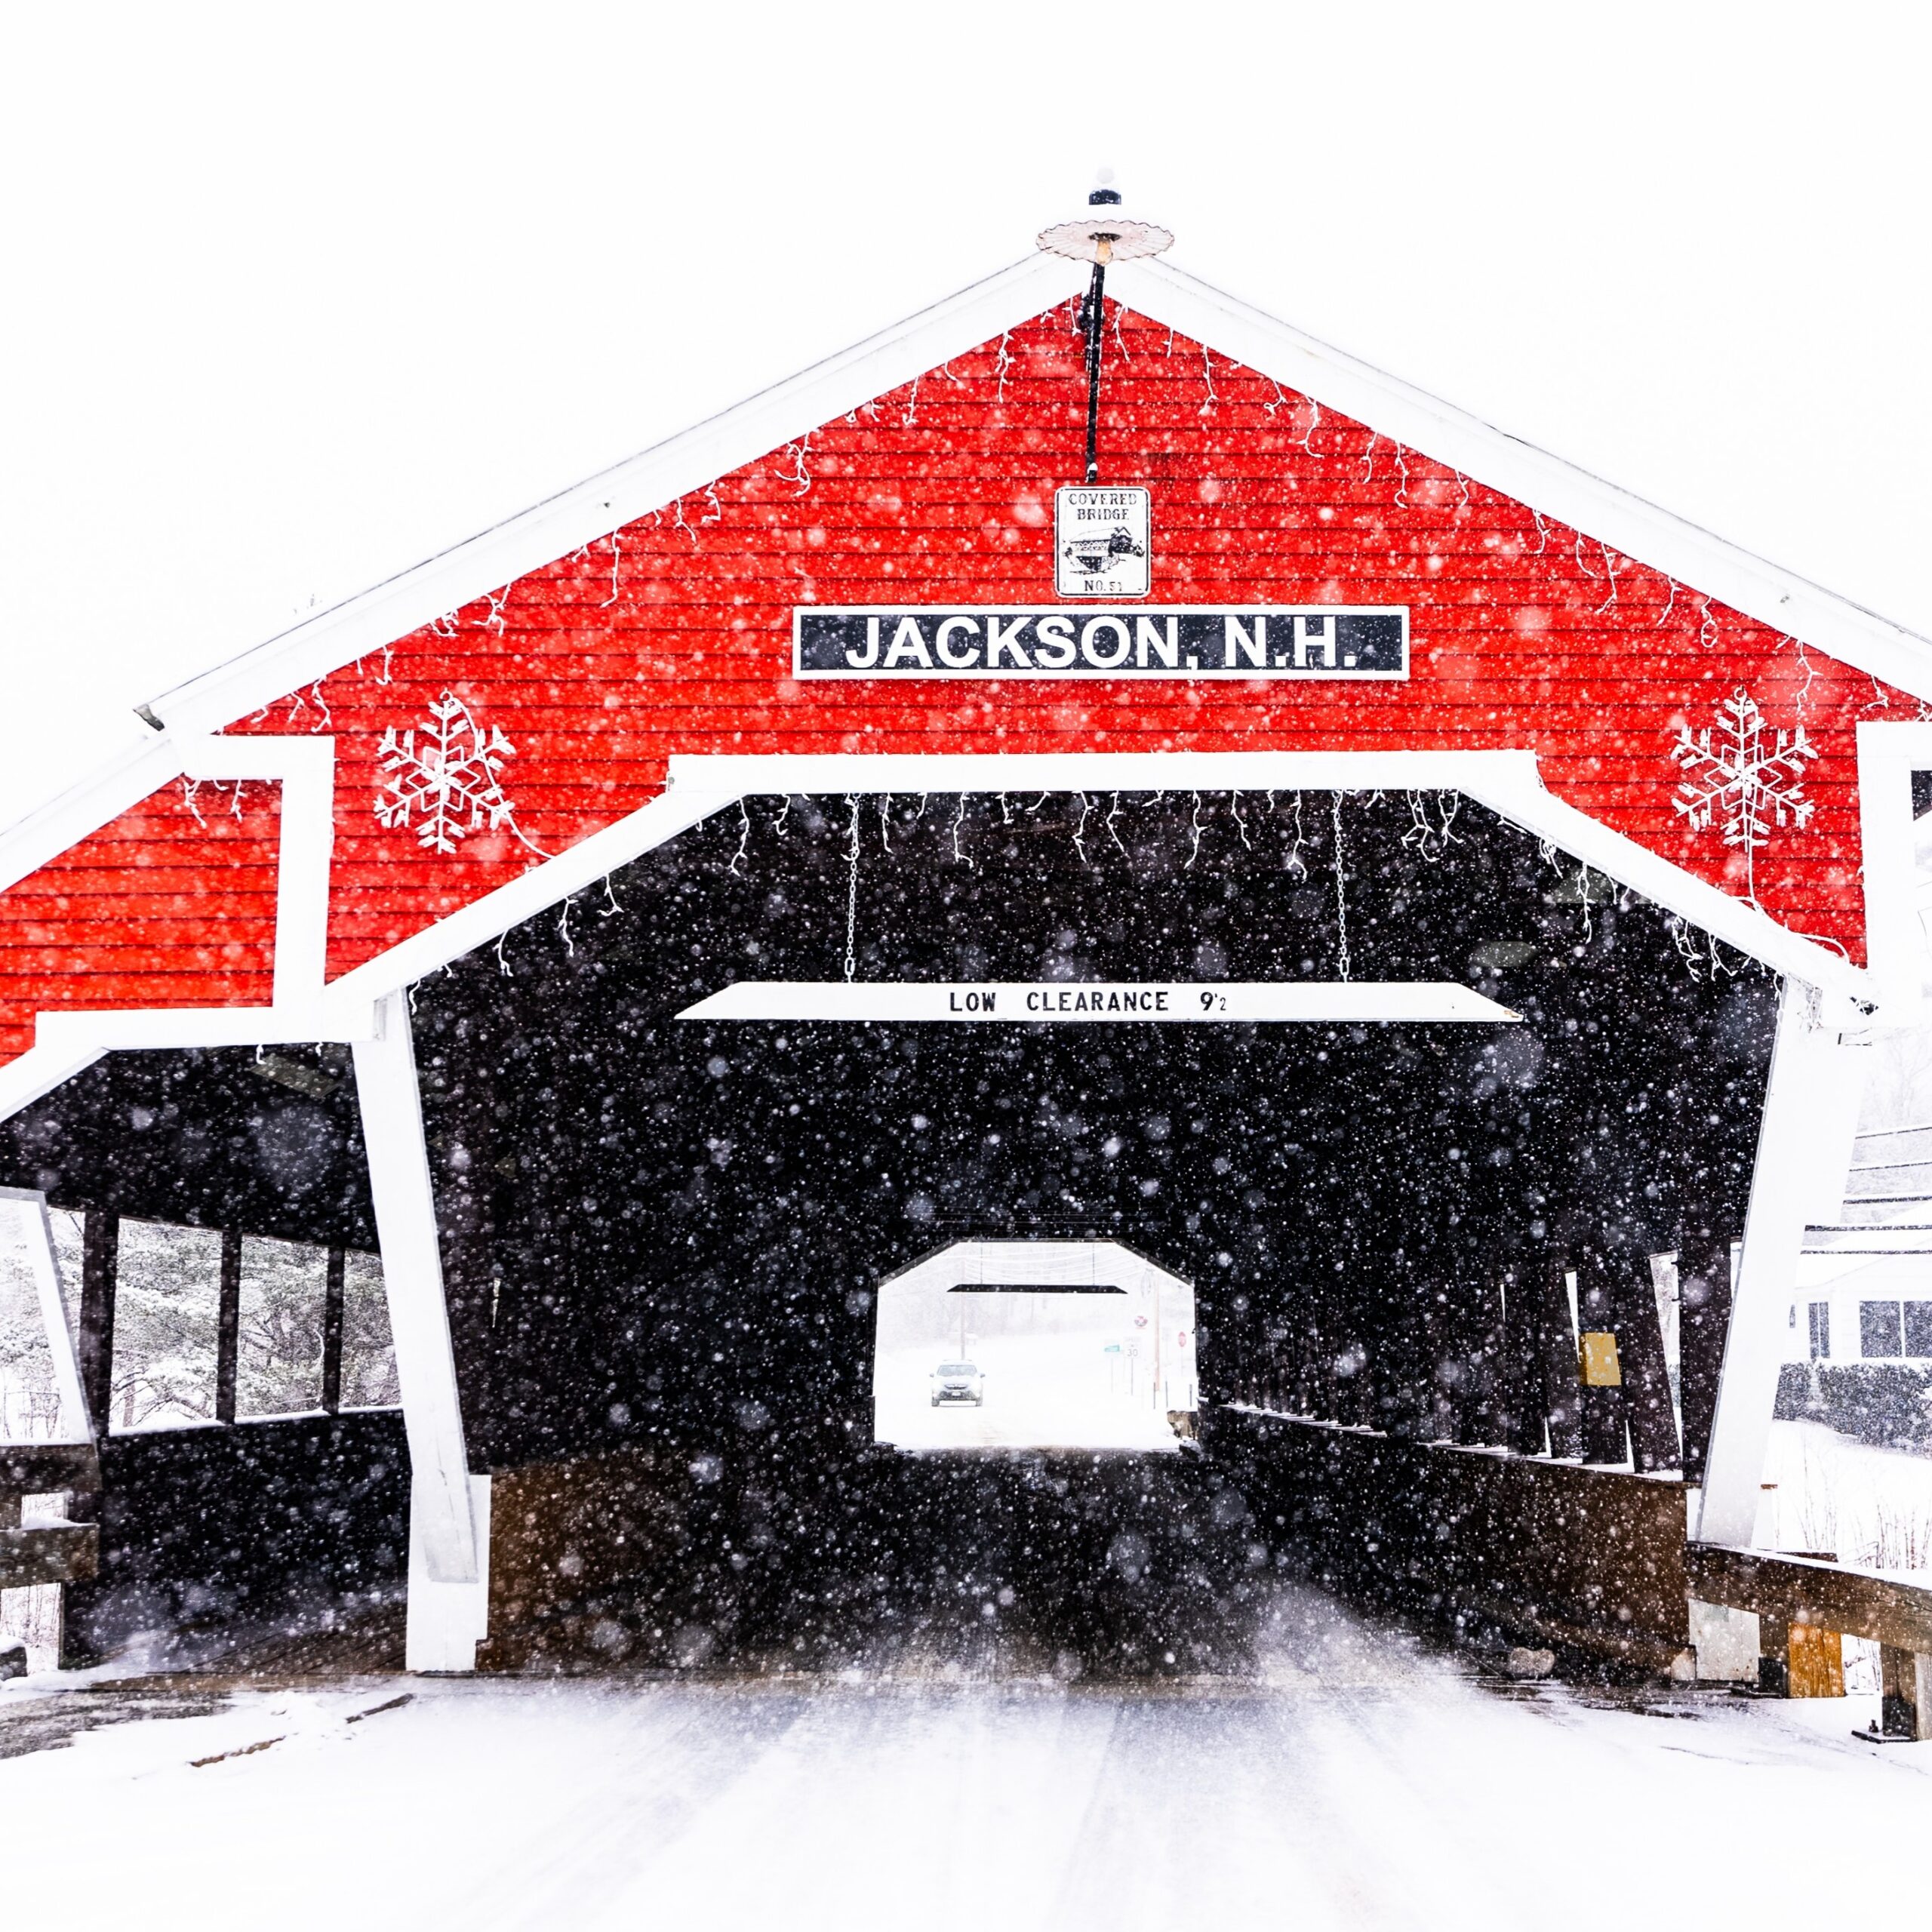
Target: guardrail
[[1806, 1592]]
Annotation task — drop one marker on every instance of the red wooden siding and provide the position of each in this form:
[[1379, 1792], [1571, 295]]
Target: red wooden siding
[[675, 636], [161, 908]]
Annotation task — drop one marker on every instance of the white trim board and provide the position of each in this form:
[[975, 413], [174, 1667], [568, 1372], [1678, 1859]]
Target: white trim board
[[1698, 558], [1507, 783], [788, 410], [1092, 1002], [1895, 939]]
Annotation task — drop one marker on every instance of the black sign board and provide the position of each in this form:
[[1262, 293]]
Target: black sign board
[[1180, 640]]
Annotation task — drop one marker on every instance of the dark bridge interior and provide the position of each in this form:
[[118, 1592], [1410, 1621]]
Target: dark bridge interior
[[662, 1238]]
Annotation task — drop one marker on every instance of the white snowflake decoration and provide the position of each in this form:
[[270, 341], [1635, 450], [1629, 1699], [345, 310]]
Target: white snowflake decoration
[[450, 785], [1737, 776]]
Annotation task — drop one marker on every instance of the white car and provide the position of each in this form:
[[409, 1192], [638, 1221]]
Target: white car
[[958, 1382]]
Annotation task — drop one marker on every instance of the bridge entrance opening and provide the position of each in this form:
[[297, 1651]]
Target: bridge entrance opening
[[708, 1279]]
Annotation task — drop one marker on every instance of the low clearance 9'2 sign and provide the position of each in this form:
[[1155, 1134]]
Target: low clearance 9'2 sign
[[1181, 640]]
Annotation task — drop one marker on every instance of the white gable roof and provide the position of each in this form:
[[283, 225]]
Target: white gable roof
[[325, 642]]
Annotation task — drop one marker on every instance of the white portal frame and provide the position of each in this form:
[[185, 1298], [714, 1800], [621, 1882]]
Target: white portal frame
[[367, 1006]]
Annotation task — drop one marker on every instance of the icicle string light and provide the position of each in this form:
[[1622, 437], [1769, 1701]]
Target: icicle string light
[[1195, 825], [852, 888], [958, 819], [1810, 670], [1431, 841], [744, 838], [1113, 814], [1080, 830], [1342, 962]]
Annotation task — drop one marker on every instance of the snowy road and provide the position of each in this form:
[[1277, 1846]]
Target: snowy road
[[1354, 1780]]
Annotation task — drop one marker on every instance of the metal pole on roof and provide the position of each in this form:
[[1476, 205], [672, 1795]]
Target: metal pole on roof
[[1105, 233], [1095, 291]]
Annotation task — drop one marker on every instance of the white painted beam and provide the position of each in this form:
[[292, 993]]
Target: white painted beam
[[29, 1205], [305, 769], [1805, 1139], [1507, 782], [445, 1541], [1090, 1002]]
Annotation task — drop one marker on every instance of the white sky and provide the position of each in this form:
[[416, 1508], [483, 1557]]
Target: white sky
[[295, 295]]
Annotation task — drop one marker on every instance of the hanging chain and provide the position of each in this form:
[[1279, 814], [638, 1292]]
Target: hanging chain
[[852, 890], [1341, 899]]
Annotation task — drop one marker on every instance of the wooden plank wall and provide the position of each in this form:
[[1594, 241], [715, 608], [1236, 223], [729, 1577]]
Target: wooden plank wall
[[1589, 1559]]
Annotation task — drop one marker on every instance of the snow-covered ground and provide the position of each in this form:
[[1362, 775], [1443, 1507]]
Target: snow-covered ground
[[1353, 1780]]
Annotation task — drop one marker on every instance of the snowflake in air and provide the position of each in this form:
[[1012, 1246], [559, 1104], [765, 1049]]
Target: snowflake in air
[[450, 783], [1739, 776]]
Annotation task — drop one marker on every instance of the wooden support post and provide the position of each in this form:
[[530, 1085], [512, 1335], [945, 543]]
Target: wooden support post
[[100, 1244], [1600, 1398], [228, 1327], [1647, 1404], [1520, 1392], [332, 1307], [1703, 1290], [1904, 1693], [1562, 1407], [1816, 1655]]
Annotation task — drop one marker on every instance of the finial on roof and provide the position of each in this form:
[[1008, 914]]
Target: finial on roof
[[1106, 232]]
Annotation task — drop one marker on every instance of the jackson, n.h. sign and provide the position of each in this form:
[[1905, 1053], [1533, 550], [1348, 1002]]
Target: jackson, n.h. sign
[[1178, 641]]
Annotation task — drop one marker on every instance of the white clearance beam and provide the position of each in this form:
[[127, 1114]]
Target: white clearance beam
[[1220, 1001]]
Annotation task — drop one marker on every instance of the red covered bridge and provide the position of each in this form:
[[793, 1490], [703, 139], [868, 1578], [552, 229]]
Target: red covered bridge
[[1546, 934]]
